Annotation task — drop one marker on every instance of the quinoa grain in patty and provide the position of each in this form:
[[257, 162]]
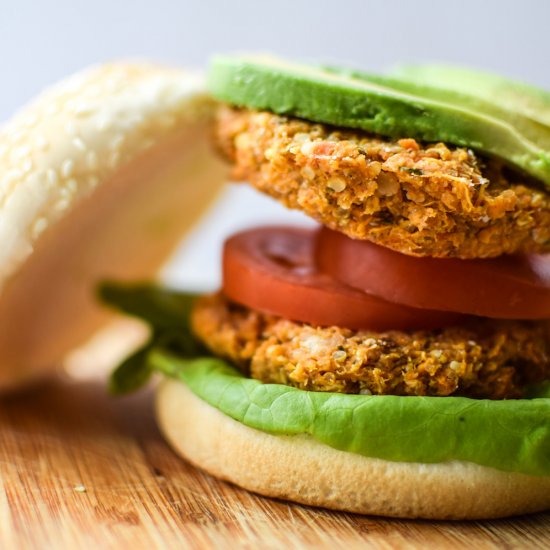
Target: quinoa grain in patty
[[426, 200]]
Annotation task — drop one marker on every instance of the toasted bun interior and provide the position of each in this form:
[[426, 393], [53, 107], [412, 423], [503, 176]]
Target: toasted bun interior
[[101, 176], [299, 469]]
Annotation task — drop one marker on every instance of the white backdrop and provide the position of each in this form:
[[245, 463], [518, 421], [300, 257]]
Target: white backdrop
[[42, 41]]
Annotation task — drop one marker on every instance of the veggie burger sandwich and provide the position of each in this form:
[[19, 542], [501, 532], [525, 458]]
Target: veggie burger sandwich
[[394, 361]]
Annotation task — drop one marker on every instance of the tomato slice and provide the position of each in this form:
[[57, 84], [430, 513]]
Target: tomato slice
[[272, 270], [508, 287]]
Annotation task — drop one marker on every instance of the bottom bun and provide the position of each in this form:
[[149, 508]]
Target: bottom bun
[[300, 469]]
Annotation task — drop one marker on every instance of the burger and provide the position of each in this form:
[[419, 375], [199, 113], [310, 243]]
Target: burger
[[395, 360]]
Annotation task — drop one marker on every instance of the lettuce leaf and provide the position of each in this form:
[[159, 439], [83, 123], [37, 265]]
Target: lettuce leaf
[[509, 435], [167, 312]]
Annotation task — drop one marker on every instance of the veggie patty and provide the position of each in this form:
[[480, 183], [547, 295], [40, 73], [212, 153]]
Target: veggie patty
[[484, 359], [419, 199]]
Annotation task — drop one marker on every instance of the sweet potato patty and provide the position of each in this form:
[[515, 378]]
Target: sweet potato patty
[[425, 200], [488, 359]]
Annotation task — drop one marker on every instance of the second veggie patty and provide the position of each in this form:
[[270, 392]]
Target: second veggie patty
[[484, 359]]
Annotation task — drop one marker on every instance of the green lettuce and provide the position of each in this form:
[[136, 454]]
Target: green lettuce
[[512, 435], [508, 435], [167, 314]]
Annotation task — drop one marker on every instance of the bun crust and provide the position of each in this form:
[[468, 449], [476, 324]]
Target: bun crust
[[101, 175], [302, 470]]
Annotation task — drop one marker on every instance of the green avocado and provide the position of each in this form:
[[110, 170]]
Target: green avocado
[[474, 99], [516, 97], [321, 95]]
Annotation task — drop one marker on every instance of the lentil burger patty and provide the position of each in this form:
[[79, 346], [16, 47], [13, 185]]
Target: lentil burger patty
[[426, 200], [486, 359]]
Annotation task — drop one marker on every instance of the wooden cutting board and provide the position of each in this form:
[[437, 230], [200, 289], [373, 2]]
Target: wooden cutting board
[[83, 470]]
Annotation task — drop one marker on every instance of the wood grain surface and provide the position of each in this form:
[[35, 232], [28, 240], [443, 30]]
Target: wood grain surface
[[83, 470]]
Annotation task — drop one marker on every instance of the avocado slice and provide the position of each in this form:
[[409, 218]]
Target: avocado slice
[[320, 95], [518, 97], [473, 100]]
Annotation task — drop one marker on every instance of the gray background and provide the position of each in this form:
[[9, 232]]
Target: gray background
[[42, 41]]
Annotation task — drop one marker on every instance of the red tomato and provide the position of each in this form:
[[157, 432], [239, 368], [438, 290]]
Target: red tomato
[[509, 287], [272, 270]]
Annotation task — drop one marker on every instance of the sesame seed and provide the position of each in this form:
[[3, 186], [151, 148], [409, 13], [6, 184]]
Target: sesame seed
[[82, 110], [79, 144], [365, 391], [21, 152], [62, 204], [91, 160], [71, 185], [437, 353], [454, 365], [11, 176], [103, 124], [79, 489], [116, 142], [114, 158], [67, 168], [52, 177], [41, 142], [39, 227]]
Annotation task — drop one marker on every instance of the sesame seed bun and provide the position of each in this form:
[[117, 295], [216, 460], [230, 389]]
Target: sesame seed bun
[[101, 175], [300, 469]]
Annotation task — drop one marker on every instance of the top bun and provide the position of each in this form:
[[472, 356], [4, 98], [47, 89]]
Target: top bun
[[100, 176]]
